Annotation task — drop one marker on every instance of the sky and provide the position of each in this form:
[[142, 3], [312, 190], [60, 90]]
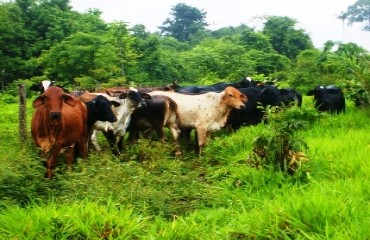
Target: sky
[[317, 17]]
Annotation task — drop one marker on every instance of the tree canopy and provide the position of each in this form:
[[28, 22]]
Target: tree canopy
[[49, 40], [359, 12], [185, 22]]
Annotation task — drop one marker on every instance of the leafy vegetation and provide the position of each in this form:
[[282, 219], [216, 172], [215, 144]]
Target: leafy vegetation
[[49, 40], [148, 193]]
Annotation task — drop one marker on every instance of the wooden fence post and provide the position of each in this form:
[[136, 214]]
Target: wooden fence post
[[22, 113]]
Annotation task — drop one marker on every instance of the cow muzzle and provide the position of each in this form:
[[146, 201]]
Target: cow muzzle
[[55, 115], [55, 118]]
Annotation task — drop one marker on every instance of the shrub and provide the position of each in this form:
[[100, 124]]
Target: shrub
[[278, 145]]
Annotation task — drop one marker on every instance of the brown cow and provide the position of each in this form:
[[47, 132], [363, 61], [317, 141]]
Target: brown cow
[[59, 123]]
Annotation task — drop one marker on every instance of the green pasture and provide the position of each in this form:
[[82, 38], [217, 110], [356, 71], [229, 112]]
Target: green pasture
[[147, 193]]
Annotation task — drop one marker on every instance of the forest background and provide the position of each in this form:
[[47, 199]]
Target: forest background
[[49, 40]]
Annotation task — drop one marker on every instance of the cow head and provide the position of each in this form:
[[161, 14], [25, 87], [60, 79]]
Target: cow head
[[103, 108], [270, 96], [52, 100], [290, 96], [326, 97], [234, 98]]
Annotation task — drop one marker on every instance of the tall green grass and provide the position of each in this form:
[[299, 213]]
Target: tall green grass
[[149, 194]]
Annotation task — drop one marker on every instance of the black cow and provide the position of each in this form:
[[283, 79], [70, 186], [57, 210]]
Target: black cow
[[289, 96], [258, 99], [216, 87], [99, 108], [328, 98]]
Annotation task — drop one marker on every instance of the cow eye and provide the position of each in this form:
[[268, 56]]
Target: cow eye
[[230, 94]]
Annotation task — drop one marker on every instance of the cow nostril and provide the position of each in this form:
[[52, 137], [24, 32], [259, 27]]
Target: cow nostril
[[55, 115]]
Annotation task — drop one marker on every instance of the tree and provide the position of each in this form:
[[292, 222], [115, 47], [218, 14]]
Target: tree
[[12, 42], [358, 12], [217, 59], [267, 63], [89, 58], [186, 21], [306, 71], [285, 38], [253, 40], [229, 31]]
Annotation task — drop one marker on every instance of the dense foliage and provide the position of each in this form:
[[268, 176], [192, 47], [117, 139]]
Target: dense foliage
[[48, 39]]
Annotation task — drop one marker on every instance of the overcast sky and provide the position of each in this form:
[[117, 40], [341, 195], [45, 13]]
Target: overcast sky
[[317, 17]]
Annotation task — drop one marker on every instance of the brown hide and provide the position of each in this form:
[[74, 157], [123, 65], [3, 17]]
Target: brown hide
[[160, 111], [59, 123]]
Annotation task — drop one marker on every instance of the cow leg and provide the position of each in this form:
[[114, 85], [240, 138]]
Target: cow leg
[[51, 162], [147, 134], [175, 132], [109, 135], [81, 150], [69, 156], [94, 140], [202, 138], [133, 136], [185, 135], [160, 133], [120, 144]]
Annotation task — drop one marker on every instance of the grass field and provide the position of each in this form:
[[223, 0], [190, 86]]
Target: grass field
[[148, 194]]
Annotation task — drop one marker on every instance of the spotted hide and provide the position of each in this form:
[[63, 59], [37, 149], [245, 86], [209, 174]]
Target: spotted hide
[[206, 112]]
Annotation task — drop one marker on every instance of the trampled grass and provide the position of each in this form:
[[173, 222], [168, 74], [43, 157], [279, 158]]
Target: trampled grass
[[149, 194]]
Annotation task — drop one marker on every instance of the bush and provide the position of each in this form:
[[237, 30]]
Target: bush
[[278, 145]]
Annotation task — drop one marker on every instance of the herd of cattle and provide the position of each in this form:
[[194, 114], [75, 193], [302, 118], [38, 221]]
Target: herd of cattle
[[69, 122]]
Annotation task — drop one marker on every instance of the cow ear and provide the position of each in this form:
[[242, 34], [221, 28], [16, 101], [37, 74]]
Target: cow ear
[[38, 101], [115, 104], [122, 95], [244, 98], [146, 96], [68, 99]]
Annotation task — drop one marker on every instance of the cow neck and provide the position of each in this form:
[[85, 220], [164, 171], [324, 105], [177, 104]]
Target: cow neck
[[54, 131], [125, 109], [222, 108]]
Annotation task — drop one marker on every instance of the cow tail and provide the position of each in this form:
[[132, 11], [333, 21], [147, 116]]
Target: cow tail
[[173, 108]]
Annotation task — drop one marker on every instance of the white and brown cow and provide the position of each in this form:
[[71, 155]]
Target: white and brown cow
[[206, 112]]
